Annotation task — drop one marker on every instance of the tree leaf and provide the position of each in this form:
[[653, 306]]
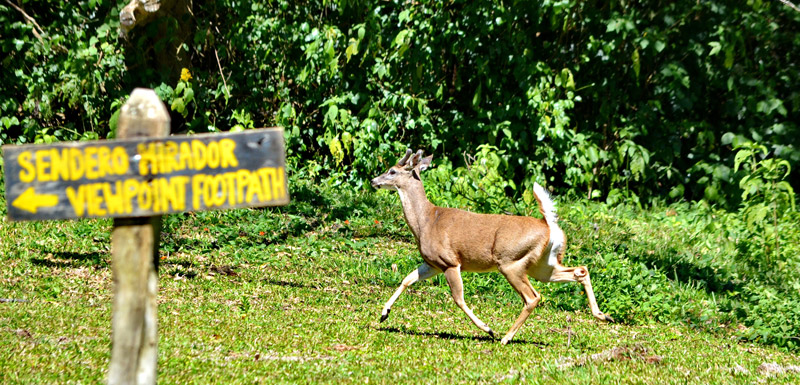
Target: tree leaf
[[188, 95], [332, 114], [352, 49], [476, 98], [178, 105], [715, 47], [741, 156]]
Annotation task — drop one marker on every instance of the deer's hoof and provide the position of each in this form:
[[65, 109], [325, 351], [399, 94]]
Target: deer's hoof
[[604, 317], [491, 334], [385, 316]]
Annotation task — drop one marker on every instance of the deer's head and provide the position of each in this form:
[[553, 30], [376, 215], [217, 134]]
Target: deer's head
[[404, 173]]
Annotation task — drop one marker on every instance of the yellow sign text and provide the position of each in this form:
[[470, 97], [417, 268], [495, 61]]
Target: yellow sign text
[[129, 196], [177, 193], [238, 187], [167, 157], [70, 164]]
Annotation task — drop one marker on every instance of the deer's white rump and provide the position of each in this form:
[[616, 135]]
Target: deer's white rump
[[452, 241]]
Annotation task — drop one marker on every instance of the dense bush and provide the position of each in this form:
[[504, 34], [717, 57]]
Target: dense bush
[[62, 70], [609, 100]]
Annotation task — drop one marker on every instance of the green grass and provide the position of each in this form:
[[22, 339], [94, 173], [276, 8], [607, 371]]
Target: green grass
[[293, 295]]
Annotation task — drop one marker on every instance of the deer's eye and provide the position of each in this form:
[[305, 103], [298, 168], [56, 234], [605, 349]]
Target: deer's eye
[[392, 172]]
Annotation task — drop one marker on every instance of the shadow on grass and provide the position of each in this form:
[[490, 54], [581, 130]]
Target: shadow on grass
[[277, 282], [184, 263], [455, 337], [70, 259]]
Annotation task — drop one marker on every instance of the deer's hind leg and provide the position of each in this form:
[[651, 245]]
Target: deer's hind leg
[[517, 276], [579, 274]]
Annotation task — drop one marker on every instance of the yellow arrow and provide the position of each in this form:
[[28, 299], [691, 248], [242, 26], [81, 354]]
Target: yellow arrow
[[30, 201]]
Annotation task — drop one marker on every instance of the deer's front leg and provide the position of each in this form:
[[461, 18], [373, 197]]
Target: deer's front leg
[[423, 272], [453, 276]]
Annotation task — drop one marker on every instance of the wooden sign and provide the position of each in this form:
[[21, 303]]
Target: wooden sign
[[146, 176], [134, 180]]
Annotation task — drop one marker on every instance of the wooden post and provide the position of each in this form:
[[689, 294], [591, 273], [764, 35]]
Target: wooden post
[[134, 248]]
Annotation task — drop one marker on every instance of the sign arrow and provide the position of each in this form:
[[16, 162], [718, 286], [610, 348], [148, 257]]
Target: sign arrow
[[30, 201]]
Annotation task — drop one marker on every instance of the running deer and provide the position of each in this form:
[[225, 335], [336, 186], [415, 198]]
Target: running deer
[[452, 241]]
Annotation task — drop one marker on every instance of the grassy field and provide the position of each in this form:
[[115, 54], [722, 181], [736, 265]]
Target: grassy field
[[293, 295]]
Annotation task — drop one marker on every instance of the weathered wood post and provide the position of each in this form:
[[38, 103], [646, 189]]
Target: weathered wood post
[[134, 264]]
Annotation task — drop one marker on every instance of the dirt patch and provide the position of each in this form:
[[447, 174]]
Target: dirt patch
[[623, 353], [771, 369], [345, 348], [23, 334], [271, 357]]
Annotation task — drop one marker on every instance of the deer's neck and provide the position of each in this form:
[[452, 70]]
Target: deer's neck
[[416, 208]]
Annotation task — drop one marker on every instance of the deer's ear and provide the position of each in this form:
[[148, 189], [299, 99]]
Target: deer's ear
[[425, 162]]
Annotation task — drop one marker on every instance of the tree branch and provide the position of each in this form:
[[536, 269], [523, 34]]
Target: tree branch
[[30, 20], [790, 5], [224, 83]]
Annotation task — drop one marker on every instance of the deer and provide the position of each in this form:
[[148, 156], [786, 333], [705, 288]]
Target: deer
[[452, 240]]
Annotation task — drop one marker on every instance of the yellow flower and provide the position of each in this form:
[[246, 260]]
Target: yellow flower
[[185, 75]]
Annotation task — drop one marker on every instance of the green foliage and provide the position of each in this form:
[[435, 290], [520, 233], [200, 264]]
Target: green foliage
[[477, 185], [765, 179], [610, 101], [768, 200], [62, 70], [689, 264]]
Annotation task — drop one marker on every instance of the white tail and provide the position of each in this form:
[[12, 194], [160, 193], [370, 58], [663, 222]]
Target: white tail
[[452, 241], [557, 242], [546, 205]]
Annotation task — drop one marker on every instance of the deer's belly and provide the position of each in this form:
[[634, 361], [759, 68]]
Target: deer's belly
[[478, 267], [466, 262]]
